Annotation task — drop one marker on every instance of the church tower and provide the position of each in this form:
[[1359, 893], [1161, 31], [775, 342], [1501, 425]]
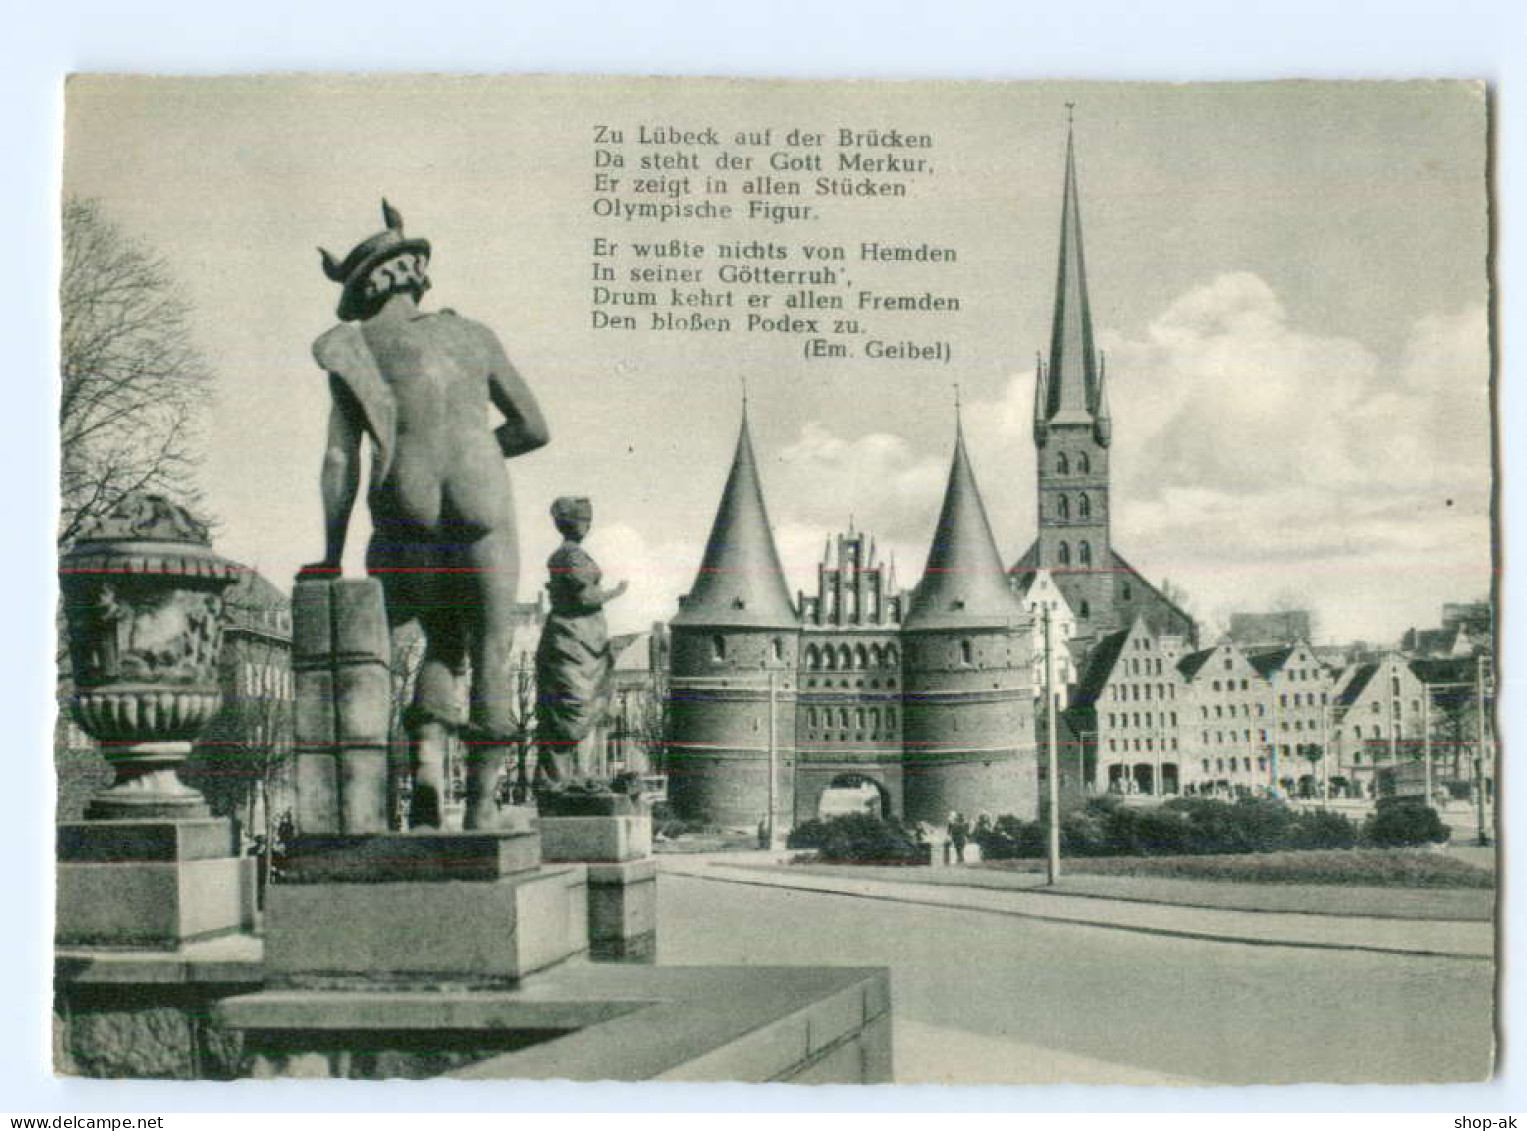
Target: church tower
[[1072, 430], [1072, 435], [733, 662], [968, 714]]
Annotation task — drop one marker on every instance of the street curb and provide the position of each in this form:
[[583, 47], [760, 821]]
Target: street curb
[[1164, 932], [1128, 899]]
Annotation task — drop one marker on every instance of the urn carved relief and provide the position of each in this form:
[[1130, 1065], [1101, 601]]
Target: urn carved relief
[[143, 597]]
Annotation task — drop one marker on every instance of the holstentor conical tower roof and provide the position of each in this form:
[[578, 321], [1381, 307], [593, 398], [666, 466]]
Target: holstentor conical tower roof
[[964, 584], [741, 583]]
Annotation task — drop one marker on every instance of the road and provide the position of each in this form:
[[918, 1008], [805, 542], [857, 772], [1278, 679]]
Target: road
[[982, 998]]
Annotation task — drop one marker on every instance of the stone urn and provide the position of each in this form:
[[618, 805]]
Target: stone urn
[[143, 597]]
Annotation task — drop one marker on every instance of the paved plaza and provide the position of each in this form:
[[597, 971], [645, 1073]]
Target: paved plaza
[[980, 996]]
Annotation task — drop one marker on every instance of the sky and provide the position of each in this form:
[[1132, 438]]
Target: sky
[[1289, 280]]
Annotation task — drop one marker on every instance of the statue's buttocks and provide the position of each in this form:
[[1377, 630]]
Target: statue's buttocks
[[447, 472]]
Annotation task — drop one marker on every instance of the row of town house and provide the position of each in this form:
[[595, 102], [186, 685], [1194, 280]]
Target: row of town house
[[1155, 717]]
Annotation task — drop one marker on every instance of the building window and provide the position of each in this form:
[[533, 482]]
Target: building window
[[1063, 554], [1084, 551], [1062, 465], [967, 653], [1083, 464], [1083, 506], [779, 649], [1063, 507], [718, 647], [1086, 610], [1127, 591]]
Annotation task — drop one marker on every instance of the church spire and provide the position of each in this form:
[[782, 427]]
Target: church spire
[[1041, 396], [964, 583], [741, 582], [1072, 381]]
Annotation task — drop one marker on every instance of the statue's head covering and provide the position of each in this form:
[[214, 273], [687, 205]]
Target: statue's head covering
[[354, 273], [571, 508]]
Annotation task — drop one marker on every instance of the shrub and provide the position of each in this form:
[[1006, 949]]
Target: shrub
[[862, 838], [1321, 828], [1012, 839], [1403, 822], [1084, 833], [807, 834]]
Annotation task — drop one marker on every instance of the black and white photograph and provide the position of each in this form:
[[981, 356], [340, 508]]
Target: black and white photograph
[[775, 581]]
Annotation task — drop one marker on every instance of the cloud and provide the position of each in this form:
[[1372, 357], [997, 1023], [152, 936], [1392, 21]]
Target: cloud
[[1253, 455]]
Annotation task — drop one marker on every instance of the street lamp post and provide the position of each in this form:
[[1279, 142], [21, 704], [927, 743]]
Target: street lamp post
[[1052, 870], [1479, 752], [773, 760], [1426, 739]]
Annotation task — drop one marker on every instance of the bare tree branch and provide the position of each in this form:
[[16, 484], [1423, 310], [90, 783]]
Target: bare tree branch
[[132, 379]]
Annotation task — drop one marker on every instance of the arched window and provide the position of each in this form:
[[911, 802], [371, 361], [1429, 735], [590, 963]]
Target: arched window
[[877, 655], [1063, 506], [967, 653], [1083, 464], [845, 658], [778, 648], [718, 647], [1083, 506], [1063, 554], [1084, 553], [861, 657], [1061, 465], [829, 658], [813, 658], [892, 657]]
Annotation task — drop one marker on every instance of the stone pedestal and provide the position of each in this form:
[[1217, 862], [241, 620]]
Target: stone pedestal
[[421, 909], [588, 840], [151, 884], [341, 656], [623, 911], [622, 880]]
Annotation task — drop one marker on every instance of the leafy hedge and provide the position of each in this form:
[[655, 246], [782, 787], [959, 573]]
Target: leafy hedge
[[859, 838], [1404, 821], [1184, 826]]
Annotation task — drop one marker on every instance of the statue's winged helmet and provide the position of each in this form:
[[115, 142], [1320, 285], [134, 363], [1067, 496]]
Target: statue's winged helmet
[[354, 272]]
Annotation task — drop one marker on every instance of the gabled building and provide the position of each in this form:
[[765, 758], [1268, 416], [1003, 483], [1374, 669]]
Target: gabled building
[[850, 715], [1229, 726], [1299, 687], [1376, 720], [1127, 708], [1457, 641], [1040, 596], [1073, 436]]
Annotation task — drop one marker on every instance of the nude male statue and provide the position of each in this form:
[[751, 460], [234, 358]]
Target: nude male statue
[[443, 534]]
